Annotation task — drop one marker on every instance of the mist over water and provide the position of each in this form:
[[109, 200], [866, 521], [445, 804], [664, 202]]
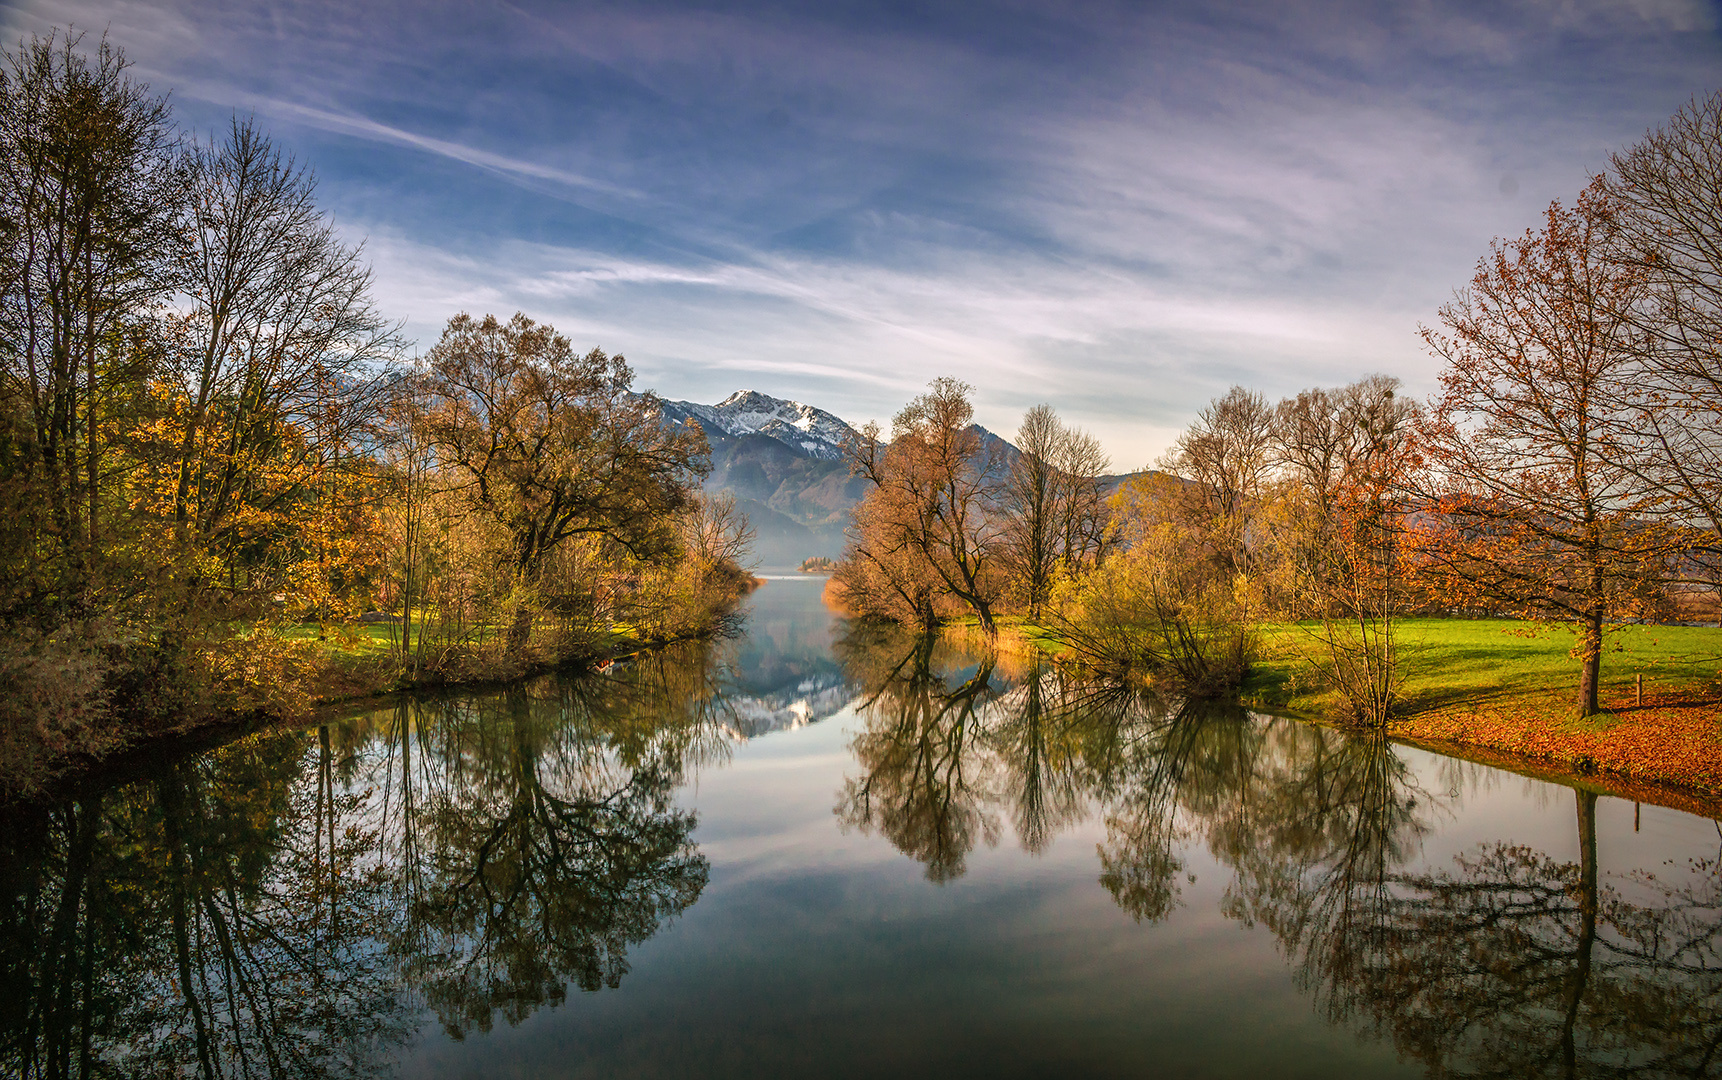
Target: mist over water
[[822, 848]]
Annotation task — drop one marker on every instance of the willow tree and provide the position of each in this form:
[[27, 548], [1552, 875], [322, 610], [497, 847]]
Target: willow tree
[[928, 526]]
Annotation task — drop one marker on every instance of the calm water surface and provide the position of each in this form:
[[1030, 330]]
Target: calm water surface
[[821, 850]]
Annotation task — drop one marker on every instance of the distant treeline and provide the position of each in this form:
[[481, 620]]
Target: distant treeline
[[1568, 470], [209, 432]]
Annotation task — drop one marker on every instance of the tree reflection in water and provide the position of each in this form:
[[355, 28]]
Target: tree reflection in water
[[284, 906], [1514, 964], [295, 904], [546, 844], [926, 787], [219, 918], [1522, 965]]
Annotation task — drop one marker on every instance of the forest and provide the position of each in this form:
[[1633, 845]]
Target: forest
[[218, 457]]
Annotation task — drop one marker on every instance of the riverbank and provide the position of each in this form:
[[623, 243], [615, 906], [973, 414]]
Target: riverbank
[[1666, 752], [1503, 692], [1510, 687], [264, 677], [353, 672]]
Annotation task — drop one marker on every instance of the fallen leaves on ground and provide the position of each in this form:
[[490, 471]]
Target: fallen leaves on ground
[[1674, 737]]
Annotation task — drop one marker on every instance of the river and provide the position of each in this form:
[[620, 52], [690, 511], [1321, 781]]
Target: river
[[821, 849]]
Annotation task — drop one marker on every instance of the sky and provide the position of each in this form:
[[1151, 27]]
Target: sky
[[1117, 209]]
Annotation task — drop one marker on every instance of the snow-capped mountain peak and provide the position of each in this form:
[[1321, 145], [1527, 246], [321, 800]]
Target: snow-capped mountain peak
[[810, 431]]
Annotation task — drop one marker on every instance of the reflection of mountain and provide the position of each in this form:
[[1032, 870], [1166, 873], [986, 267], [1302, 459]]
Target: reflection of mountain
[[807, 702], [782, 674]]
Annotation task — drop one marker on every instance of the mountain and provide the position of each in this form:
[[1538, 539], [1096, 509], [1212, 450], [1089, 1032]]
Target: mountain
[[809, 431], [784, 463]]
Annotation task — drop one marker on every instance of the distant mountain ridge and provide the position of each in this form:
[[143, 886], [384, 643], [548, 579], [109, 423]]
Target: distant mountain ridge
[[803, 428], [784, 463]]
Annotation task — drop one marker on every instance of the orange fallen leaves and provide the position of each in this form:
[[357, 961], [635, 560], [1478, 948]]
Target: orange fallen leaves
[[1674, 737]]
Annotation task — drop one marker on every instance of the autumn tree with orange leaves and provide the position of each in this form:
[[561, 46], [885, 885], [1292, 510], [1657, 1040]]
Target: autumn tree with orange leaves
[[1346, 459], [1536, 507], [927, 533]]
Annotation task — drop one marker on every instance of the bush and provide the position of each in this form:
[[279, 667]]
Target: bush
[[1159, 611], [56, 706]]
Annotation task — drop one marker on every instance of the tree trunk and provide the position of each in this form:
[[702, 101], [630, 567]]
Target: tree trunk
[[519, 633], [985, 611], [1592, 658]]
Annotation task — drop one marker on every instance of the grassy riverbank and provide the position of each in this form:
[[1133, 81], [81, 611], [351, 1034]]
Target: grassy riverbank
[[1483, 662], [1504, 687], [1511, 687], [349, 661], [257, 675]]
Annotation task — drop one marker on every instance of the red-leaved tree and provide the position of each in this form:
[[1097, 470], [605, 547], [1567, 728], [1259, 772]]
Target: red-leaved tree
[[1537, 509]]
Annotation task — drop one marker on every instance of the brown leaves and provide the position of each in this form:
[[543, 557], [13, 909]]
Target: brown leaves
[[550, 445], [1673, 738]]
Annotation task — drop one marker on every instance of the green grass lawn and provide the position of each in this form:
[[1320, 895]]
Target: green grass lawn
[[359, 641], [355, 642], [1479, 661]]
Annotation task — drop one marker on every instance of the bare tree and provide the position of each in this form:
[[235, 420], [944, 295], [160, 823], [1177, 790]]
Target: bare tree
[[1031, 497], [716, 532], [1083, 517], [279, 354], [1051, 500], [1666, 191], [1348, 455], [1225, 459]]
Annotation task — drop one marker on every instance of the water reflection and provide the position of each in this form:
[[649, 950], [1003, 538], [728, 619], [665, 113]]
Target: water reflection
[[306, 903], [225, 917], [949, 748], [289, 905], [1511, 965], [537, 839], [1516, 964]]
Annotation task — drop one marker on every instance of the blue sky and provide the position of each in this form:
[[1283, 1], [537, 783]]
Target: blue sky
[[1120, 209]]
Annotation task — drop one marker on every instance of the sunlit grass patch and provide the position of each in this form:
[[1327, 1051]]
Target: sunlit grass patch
[[1491, 661], [355, 640], [1015, 634]]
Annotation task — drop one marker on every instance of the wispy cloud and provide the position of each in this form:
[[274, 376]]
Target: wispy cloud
[[865, 338], [1113, 208], [365, 128]]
